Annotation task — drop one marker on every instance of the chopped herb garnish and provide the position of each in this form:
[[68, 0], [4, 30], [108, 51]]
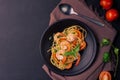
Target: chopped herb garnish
[[59, 36], [73, 32], [55, 50]]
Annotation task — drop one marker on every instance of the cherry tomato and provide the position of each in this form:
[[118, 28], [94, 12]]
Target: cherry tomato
[[111, 15], [106, 4], [105, 75]]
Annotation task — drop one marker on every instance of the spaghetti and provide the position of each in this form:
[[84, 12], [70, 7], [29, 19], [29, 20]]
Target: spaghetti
[[66, 46]]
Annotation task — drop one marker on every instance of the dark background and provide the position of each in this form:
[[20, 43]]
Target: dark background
[[22, 23]]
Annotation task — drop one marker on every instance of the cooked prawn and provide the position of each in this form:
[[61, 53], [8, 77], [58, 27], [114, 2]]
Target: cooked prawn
[[71, 37], [83, 45], [58, 35], [65, 45], [59, 54]]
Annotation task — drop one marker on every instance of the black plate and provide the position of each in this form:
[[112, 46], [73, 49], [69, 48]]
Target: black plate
[[88, 54]]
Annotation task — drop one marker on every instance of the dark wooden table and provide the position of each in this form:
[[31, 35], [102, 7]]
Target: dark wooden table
[[22, 23]]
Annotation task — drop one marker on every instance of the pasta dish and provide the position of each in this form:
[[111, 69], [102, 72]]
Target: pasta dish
[[66, 47]]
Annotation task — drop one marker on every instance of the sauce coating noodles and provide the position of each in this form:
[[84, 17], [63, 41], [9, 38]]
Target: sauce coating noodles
[[66, 47]]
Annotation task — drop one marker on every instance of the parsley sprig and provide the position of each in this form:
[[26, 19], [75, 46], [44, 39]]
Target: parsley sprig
[[73, 51], [106, 57]]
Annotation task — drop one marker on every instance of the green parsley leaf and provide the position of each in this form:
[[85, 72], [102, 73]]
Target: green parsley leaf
[[116, 51], [105, 42], [73, 52], [106, 57]]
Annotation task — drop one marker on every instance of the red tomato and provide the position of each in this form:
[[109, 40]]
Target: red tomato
[[105, 75], [111, 15], [106, 4]]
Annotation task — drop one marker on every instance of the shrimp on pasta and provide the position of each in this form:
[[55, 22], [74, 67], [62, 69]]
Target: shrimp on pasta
[[66, 47]]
